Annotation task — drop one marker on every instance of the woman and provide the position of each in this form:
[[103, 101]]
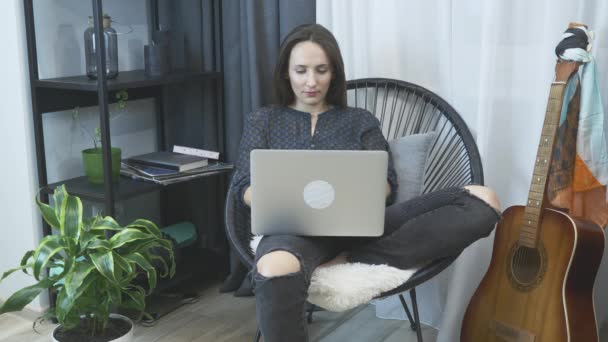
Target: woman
[[311, 113]]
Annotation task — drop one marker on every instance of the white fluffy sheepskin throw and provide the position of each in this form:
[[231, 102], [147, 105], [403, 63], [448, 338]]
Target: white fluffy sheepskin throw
[[343, 287]]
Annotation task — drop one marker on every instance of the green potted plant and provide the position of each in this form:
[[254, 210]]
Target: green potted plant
[[92, 158], [92, 275]]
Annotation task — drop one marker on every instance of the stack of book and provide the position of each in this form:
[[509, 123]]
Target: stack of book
[[170, 167]]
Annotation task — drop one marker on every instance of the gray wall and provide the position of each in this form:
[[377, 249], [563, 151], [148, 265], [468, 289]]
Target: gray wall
[[21, 227]]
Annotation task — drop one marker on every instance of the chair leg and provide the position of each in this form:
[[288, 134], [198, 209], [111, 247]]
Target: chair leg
[[416, 317], [258, 335], [310, 310], [407, 312]]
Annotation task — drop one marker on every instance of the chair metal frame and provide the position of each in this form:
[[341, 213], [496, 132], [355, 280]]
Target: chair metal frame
[[402, 108]]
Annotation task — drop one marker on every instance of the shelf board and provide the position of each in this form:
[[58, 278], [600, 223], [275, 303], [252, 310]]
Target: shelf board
[[123, 189], [209, 170], [125, 80]]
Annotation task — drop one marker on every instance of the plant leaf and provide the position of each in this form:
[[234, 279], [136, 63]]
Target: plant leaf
[[59, 196], [21, 298], [13, 270], [136, 299], [48, 213], [104, 262], [86, 237], [106, 223], [124, 266], [129, 235], [25, 258], [114, 295], [139, 247], [167, 245], [75, 278], [65, 304], [148, 226], [88, 222], [147, 246], [70, 218], [145, 265], [160, 259], [70, 245], [102, 245], [65, 267], [48, 247]]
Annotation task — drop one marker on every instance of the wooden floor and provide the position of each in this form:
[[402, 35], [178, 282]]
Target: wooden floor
[[222, 318]]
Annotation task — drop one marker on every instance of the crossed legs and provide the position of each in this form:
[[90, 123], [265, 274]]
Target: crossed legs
[[430, 226], [483, 193], [280, 262]]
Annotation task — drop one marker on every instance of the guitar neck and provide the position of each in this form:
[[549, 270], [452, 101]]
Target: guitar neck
[[536, 196]]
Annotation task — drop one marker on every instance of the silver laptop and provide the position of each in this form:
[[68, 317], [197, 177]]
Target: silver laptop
[[318, 193]]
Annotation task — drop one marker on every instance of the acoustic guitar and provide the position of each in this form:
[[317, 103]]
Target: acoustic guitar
[[539, 285]]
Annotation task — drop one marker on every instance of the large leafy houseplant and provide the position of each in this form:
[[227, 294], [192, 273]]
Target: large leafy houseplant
[[90, 272]]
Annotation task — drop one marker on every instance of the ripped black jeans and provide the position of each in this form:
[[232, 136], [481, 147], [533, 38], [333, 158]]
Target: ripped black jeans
[[430, 226]]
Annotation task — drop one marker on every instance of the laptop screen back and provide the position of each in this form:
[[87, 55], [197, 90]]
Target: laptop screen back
[[318, 193]]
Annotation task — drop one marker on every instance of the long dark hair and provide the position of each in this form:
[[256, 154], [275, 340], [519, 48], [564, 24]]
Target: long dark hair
[[336, 94]]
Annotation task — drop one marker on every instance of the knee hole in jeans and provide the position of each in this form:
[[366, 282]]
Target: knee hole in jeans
[[278, 263], [485, 194]]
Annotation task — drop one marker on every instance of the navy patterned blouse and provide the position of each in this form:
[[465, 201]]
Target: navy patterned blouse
[[278, 127]]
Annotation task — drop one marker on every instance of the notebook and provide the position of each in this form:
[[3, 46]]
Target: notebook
[[169, 160]]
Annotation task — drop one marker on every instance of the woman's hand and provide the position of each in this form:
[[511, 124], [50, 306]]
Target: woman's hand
[[247, 196]]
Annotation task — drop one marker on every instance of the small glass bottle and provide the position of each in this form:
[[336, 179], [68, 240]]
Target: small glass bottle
[[111, 41]]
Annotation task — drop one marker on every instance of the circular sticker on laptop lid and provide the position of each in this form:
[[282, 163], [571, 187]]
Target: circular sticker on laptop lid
[[319, 194]]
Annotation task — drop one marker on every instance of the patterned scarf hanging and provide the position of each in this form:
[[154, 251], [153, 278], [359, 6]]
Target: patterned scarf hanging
[[579, 170]]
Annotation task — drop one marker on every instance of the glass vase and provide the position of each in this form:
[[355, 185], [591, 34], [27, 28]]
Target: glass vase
[[111, 49]]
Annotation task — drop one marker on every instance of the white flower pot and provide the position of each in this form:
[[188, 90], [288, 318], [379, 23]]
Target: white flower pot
[[128, 337]]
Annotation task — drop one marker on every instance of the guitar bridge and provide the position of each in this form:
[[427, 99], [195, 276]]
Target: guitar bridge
[[510, 333]]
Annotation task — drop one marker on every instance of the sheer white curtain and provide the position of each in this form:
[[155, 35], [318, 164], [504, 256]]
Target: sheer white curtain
[[493, 61]]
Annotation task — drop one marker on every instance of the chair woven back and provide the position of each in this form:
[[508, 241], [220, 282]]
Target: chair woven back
[[404, 108]]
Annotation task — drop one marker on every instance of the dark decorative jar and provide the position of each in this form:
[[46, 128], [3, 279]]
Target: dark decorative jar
[[111, 41]]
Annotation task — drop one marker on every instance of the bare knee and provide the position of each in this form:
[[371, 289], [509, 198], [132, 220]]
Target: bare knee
[[485, 194], [278, 263]]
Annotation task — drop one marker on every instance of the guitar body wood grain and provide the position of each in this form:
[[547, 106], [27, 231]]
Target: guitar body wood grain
[[560, 306]]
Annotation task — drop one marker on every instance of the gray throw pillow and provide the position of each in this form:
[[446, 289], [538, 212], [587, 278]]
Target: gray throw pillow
[[409, 157]]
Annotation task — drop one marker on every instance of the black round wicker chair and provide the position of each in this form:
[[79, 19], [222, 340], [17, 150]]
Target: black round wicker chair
[[403, 108]]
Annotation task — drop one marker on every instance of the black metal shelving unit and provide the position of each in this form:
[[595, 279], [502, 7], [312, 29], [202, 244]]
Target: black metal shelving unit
[[64, 93]]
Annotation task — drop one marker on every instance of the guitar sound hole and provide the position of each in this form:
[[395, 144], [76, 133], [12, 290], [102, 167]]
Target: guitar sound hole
[[527, 266]]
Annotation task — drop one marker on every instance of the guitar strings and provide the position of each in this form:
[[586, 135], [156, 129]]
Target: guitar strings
[[572, 39]]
